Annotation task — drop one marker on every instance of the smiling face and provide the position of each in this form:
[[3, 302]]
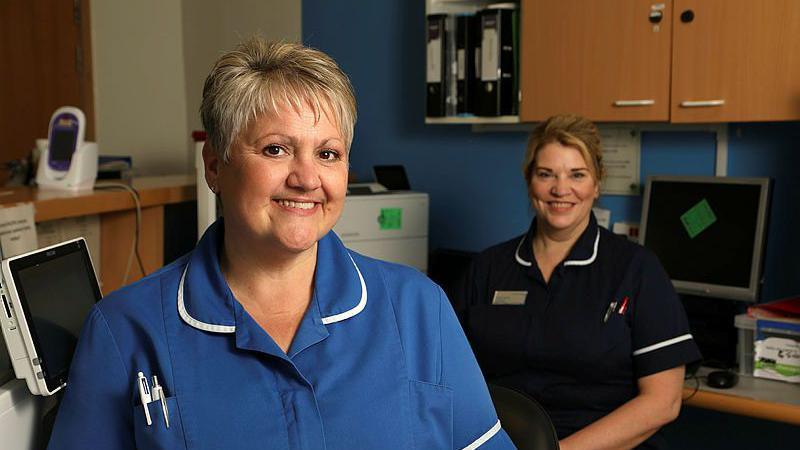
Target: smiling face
[[562, 189], [285, 184]]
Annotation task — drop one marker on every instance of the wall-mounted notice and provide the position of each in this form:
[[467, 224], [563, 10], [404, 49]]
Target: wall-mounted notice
[[60, 230], [621, 154], [17, 230]]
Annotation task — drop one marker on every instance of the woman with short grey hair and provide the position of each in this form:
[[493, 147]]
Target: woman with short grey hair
[[272, 334]]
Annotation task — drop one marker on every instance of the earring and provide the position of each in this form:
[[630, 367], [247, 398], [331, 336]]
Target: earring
[[214, 188]]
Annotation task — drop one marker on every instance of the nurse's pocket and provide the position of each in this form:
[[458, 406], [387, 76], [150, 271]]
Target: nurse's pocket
[[431, 415], [157, 436]]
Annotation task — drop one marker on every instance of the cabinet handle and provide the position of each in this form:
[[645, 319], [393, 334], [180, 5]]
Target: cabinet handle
[[634, 102], [702, 103]]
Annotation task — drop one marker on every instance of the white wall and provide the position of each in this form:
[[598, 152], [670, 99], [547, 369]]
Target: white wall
[[211, 27], [150, 59], [139, 83]]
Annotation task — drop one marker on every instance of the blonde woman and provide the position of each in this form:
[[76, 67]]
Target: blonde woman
[[271, 334], [582, 320]]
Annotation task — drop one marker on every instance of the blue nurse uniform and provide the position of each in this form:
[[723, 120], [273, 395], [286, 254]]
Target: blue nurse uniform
[[578, 342], [379, 361]]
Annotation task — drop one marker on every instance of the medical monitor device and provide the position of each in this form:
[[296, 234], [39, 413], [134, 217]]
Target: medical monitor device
[[67, 161], [46, 295], [708, 232]]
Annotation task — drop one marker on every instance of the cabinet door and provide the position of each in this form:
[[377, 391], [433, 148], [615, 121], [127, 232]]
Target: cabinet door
[[604, 59], [738, 60]]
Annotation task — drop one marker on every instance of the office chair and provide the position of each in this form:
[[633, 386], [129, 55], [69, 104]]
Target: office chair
[[525, 421]]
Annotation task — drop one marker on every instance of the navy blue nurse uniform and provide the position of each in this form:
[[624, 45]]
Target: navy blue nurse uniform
[[379, 361], [553, 340]]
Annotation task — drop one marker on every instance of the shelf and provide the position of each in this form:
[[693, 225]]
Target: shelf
[[456, 6], [471, 120]]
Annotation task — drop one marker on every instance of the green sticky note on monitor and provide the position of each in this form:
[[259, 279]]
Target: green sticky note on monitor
[[698, 218], [391, 218]]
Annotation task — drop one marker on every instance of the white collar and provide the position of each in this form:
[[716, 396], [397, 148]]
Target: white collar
[[584, 262], [184, 314]]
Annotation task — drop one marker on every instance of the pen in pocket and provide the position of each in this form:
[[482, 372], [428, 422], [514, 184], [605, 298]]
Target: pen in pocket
[[611, 307], [158, 395], [144, 395]]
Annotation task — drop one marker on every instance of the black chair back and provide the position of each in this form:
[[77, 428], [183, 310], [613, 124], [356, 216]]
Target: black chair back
[[526, 422]]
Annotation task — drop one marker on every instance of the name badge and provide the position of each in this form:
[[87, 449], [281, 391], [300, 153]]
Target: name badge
[[509, 297]]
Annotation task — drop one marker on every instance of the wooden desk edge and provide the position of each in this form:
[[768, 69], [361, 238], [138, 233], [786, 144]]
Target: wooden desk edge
[[780, 412], [159, 191]]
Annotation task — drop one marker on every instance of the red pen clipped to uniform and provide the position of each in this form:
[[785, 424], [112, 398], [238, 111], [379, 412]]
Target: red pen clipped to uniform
[[623, 305]]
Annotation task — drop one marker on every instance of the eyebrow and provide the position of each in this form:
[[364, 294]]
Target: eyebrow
[[293, 140], [576, 169], [332, 139]]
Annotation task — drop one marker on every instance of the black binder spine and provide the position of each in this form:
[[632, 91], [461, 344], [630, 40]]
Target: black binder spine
[[498, 88], [436, 77], [466, 80]]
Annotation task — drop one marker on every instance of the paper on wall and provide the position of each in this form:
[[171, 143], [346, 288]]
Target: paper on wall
[[60, 230], [621, 155], [17, 230], [603, 217]]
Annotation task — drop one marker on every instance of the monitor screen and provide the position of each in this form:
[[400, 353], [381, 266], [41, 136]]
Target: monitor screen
[[56, 288], [62, 145], [708, 232], [392, 177]]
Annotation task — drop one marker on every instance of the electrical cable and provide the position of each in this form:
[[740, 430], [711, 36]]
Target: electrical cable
[[696, 386], [135, 246]]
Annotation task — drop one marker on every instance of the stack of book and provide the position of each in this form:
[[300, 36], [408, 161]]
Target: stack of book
[[777, 339]]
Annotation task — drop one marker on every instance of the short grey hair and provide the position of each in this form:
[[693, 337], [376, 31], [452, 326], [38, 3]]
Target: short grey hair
[[259, 77]]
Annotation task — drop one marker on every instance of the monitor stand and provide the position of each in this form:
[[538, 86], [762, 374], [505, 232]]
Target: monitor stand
[[711, 321]]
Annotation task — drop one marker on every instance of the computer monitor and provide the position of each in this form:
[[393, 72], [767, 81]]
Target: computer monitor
[[708, 232], [393, 177]]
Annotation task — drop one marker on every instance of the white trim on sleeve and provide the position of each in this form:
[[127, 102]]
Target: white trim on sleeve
[[662, 344], [485, 437]]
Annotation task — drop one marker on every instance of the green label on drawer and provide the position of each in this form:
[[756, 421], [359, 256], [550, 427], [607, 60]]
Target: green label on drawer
[[391, 218], [698, 218]]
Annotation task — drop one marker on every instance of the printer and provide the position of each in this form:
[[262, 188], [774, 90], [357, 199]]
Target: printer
[[392, 226]]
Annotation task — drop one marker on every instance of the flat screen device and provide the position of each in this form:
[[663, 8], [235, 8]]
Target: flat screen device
[[393, 177], [708, 232], [46, 295]]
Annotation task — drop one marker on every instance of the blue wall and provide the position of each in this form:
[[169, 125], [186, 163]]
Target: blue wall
[[477, 194], [478, 197]]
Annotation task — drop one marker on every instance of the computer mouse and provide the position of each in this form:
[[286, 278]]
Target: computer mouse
[[722, 379]]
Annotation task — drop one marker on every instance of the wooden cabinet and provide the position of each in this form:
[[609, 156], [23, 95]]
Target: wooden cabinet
[[679, 60], [602, 59], [742, 54]]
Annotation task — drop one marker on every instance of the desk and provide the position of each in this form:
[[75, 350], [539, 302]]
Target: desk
[[117, 212], [754, 397]]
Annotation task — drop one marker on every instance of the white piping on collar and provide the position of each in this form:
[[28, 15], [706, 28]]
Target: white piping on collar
[[191, 320], [516, 253], [591, 259], [585, 262], [362, 303], [485, 437]]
